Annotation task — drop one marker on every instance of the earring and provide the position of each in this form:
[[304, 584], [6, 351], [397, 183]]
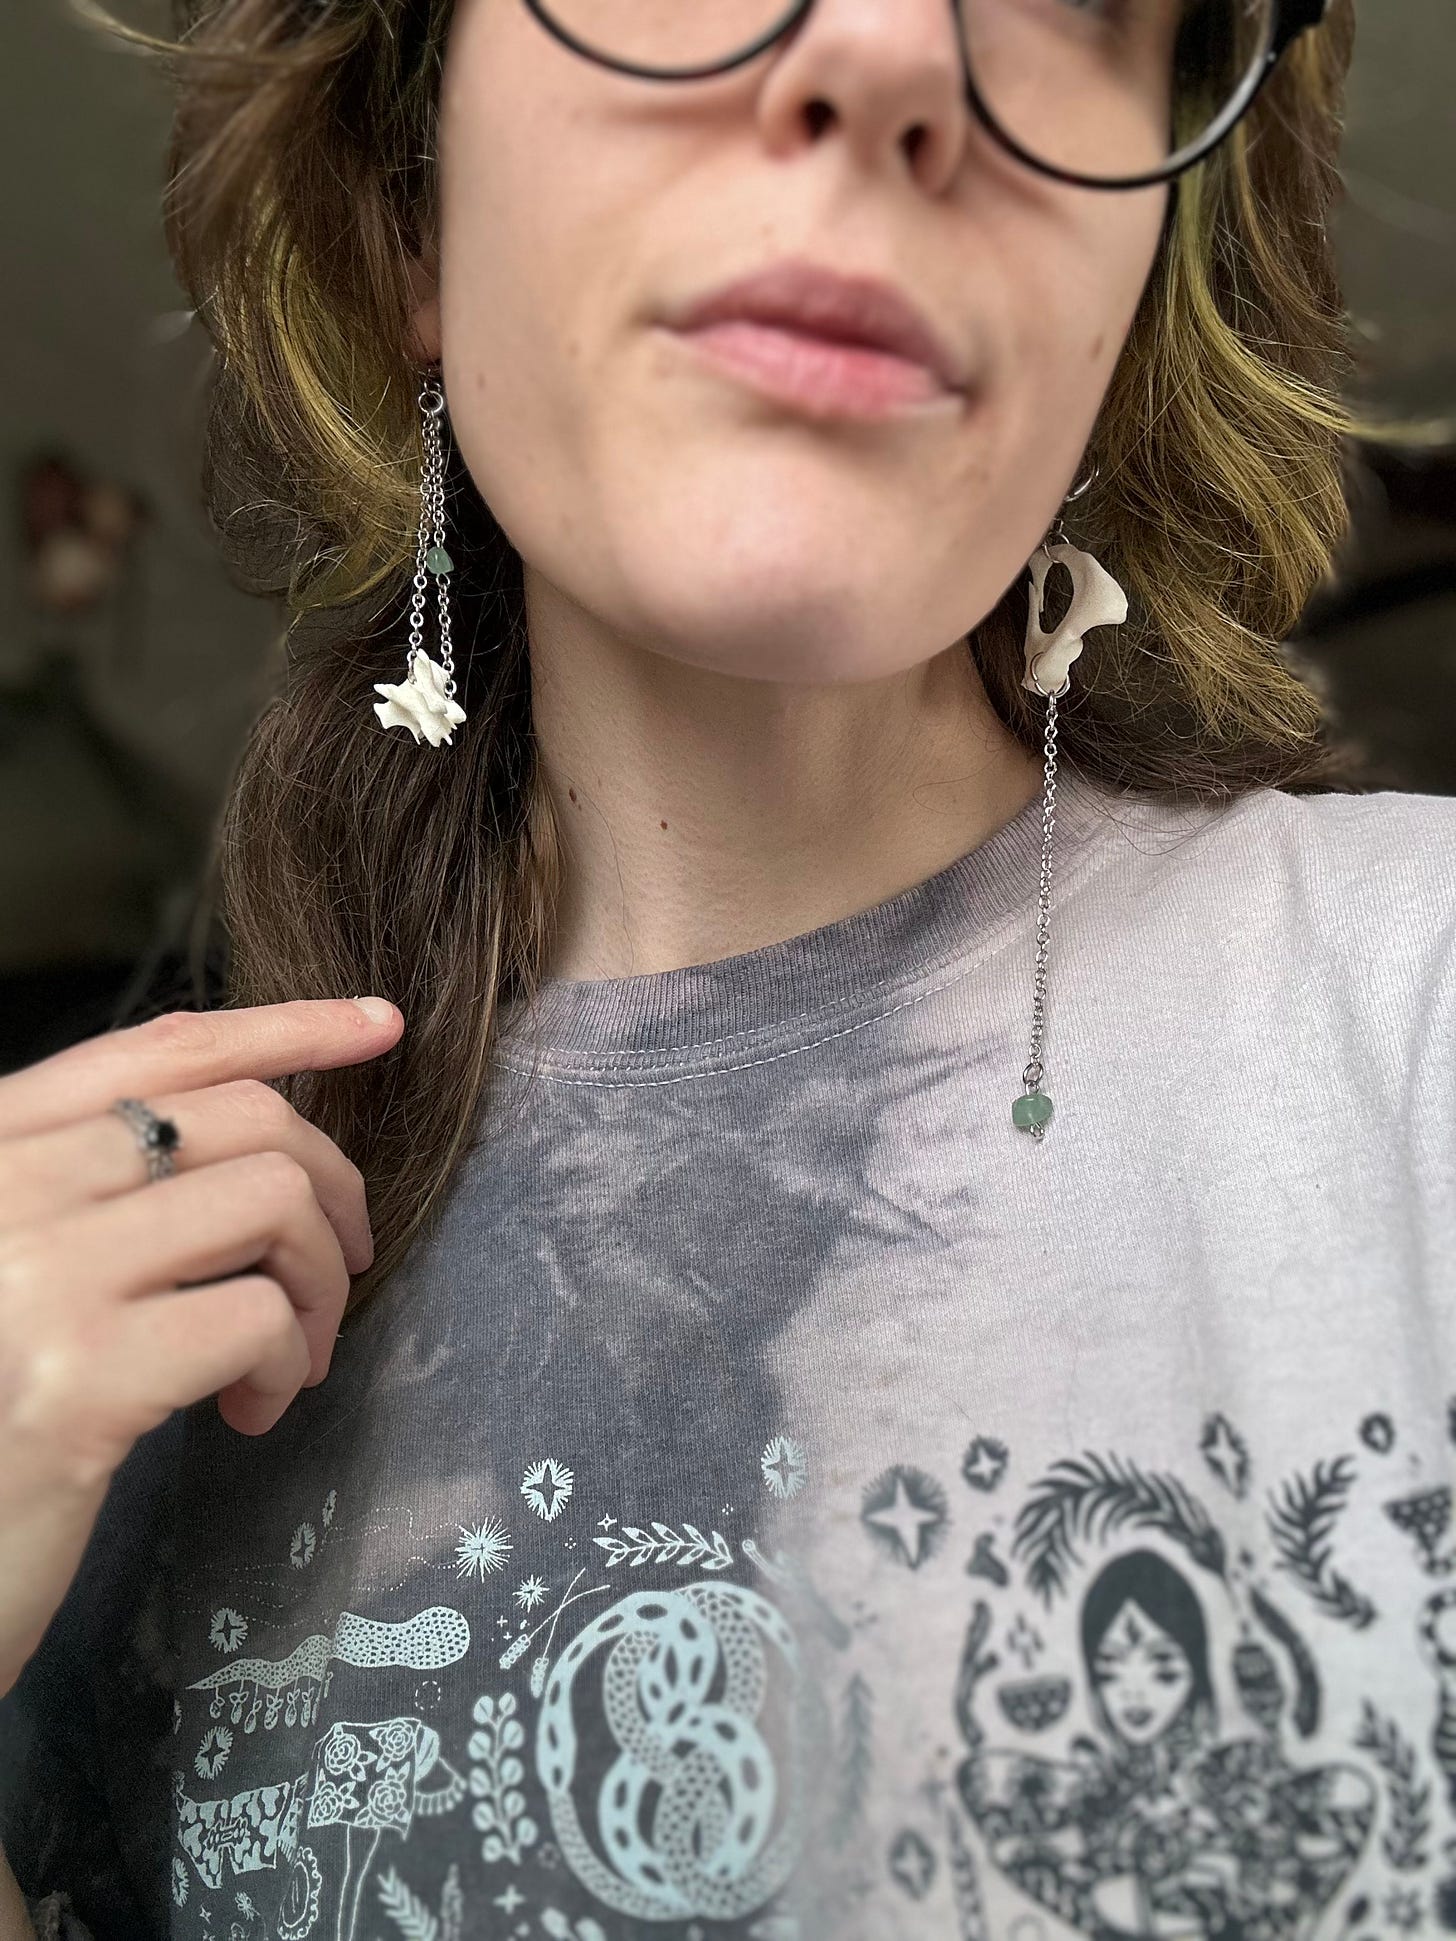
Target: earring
[[424, 702], [1097, 601]]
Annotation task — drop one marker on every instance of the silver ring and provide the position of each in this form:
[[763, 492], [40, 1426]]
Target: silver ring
[[157, 1138]]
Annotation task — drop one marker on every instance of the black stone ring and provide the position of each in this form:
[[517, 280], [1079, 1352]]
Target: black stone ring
[[157, 1138]]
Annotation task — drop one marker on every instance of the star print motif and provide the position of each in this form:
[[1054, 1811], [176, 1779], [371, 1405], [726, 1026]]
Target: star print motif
[[984, 1463], [905, 1511], [420, 703], [784, 1467], [529, 1593], [912, 1864], [511, 1899], [605, 1522], [1224, 1452], [547, 1487]]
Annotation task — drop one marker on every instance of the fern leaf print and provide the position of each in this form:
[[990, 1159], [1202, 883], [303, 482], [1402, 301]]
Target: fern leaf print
[[1301, 1517], [855, 1759], [405, 1908], [1095, 1495], [1404, 1839]]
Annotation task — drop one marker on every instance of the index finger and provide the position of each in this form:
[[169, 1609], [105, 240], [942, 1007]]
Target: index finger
[[183, 1050]]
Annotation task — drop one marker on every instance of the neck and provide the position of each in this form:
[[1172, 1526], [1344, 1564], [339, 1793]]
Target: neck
[[704, 814]]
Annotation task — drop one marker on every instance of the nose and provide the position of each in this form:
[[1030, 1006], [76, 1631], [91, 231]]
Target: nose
[[888, 76]]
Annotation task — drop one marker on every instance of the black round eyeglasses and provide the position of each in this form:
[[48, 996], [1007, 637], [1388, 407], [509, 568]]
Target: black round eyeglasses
[[1227, 51]]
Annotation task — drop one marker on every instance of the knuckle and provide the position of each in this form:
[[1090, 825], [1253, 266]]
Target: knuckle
[[24, 1261], [260, 1104], [282, 1178], [268, 1308], [44, 1391], [187, 1032], [273, 1324]]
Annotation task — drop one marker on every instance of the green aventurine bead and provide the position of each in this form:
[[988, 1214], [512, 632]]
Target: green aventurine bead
[[1033, 1109], [439, 561]]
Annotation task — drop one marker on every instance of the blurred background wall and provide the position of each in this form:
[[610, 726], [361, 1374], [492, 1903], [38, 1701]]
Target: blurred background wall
[[130, 667]]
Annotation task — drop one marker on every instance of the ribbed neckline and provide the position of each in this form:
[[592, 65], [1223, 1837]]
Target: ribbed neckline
[[705, 1008]]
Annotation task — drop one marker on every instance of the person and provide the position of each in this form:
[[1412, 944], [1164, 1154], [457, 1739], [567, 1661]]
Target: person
[[899, 1053]]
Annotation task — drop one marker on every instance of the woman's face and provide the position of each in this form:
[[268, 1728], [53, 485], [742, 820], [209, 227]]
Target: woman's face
[[1142, 1675], [675, 507]]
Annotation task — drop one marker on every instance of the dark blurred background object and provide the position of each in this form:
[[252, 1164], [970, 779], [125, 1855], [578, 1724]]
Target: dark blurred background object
[[130, 667]]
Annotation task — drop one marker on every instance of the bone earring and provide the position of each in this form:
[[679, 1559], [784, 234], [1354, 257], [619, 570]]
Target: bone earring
[[1097, 601], [424, 702]]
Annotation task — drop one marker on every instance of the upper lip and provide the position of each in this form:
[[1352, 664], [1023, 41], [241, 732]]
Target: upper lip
[[824, 303]]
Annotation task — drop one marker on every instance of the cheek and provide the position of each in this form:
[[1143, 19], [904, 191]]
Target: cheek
[[1077, 292], [525, 266]]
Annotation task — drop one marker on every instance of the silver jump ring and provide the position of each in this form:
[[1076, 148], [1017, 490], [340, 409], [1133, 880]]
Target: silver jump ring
[[1058, 534], [157, 1138], [1077, 490]]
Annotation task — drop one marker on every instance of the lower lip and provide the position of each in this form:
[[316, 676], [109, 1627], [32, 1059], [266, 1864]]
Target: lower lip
[[832, 379]]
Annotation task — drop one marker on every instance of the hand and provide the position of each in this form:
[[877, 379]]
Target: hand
[[115, 1302]]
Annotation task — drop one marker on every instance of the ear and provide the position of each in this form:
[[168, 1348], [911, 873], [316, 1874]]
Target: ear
[[424, 296]]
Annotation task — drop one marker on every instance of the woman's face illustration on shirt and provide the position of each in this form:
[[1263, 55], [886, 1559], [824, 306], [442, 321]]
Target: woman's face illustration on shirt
[[1142, 1676]]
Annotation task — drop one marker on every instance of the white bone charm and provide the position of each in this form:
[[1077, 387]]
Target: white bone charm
[[420, 703], [1097, 601]]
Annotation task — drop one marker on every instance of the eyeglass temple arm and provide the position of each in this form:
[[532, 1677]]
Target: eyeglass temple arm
[[1293, 17]]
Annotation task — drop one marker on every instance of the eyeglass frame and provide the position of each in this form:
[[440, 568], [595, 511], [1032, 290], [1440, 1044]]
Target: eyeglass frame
[[1290, 18]]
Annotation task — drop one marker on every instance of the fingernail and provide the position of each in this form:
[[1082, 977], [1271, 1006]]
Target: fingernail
[[376, 1009]]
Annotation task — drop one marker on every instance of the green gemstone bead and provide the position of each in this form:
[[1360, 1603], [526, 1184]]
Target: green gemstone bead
[[439, 561], [1032, 1109]]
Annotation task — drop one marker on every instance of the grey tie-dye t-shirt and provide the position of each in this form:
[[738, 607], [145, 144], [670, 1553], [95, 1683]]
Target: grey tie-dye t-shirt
[[783, 1500]]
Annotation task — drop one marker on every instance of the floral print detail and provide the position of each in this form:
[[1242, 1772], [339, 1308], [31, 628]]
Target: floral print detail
[[483, 1549], [343, 1752], [212, 1754], [395, 1738], [330, 1503], [1403, 1910], [229, 1628], [304, 1540], [179, 1882], [389, 1798], [547, 1487]]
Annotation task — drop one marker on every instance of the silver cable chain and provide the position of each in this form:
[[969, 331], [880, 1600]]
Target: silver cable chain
[[431, 533], [1031, 1077]]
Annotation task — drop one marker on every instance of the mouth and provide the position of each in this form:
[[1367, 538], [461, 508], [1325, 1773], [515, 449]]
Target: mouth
[[830, 344]]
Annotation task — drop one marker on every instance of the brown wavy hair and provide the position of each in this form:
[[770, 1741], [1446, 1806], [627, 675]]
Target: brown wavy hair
[[301, 184]]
